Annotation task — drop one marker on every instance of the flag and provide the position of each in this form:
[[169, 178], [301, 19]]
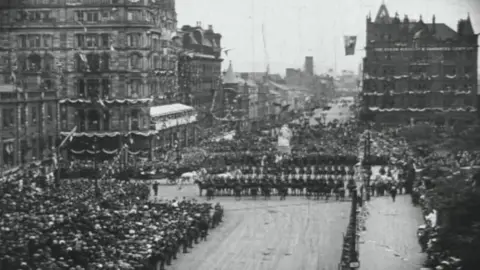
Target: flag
[[277, 104], [68, 138], [112, 48], [84, 28], [83, 57], [130, 139], [350, 43]]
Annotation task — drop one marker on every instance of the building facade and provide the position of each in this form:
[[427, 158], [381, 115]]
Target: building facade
[[237, 100], [29, 83], [200, 65], [115, 59], [28, 124], [419, 71]]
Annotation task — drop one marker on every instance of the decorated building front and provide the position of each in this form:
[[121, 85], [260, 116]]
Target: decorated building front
[[419, 71]]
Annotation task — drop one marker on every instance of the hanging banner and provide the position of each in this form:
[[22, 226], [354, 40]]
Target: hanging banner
[[350, 43]]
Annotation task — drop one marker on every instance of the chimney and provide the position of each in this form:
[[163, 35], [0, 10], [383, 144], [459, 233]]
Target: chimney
[[199, 24], [309, 65], [210, 27], [434, 27]]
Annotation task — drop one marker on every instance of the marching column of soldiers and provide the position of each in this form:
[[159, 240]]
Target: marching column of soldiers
[[310, 175]]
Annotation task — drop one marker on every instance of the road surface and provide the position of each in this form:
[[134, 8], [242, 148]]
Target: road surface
[[268, 235], [390, 241], [337, 111]]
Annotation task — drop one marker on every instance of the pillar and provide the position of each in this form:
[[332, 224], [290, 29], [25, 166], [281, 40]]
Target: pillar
[[152, 147], [186, 134]]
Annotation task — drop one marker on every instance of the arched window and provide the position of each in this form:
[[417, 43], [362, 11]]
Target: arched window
[[105, 61], [135, 61], [34, 62], [48, 62], [93, 120], [93, 61]]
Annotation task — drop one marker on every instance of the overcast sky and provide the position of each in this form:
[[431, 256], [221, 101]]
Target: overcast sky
[[294, 29]]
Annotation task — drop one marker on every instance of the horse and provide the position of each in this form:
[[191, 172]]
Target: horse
[[233, 174], [201, 186], [191, 177]]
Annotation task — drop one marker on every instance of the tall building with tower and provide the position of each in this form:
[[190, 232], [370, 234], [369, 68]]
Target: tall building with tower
[[416, 70]]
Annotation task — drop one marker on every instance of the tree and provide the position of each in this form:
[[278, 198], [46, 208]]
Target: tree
[[457, 204]]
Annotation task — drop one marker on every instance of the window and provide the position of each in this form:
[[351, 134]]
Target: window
[[34, 41], [33, 114], [22, 41], [93, 16], [134, 40], [80, 88], [134, 117], [8, 117], [34, 62], [105, 38], [105, 61], [80, 40], [47, 41], [48, 62], [93, 61], [91, 41], [156, 42], [105, 15], [49, 112], [23, 115], [93, 88], [157, 63], [79, 16], [134, 89], [135, 61], [105, 88]]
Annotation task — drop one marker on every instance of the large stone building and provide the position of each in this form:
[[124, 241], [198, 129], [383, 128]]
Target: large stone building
[[419, 71], [237, 100], [116, 61], [200, 77], [29, 81]]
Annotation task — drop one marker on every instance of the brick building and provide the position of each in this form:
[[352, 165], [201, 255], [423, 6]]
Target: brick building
[[419, 71], [116, 61], [199, 69]]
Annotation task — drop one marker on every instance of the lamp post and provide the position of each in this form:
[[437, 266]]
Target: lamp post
[[95, 173]]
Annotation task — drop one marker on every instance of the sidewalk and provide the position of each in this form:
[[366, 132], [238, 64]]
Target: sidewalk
[[390, 241]]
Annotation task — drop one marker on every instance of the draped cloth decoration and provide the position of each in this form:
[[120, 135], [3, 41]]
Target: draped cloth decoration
[[439, 109], [112, 101], [105, 151], [111, 134], [420, 92]]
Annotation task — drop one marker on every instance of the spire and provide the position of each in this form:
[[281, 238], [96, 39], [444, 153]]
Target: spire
[[382, 15], [230, 77]]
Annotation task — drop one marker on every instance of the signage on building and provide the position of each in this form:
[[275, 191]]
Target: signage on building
[[174, 121], [397, 49]]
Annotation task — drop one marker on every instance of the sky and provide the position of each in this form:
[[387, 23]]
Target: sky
[[282, 32]]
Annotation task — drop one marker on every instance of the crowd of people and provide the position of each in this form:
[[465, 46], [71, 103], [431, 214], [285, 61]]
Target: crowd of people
[[78, 225]]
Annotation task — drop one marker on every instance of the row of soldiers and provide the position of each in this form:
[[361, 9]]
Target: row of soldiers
[[294, 160], [340, 170]]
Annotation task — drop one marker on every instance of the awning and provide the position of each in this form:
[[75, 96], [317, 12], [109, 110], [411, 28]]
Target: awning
[[163, 110]]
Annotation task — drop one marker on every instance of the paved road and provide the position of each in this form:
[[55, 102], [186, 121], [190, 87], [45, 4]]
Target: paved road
[[337, 111], [268, 235], [390, 240]]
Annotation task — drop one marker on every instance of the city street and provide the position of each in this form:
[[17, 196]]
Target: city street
[[337, 111], [277, 235], [390, 241]]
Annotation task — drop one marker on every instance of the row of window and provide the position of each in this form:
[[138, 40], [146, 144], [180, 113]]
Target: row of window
[[418, 101], [93, 120], [427, 85], [418, 69], [31, 119], [35, 41], [421, 55]]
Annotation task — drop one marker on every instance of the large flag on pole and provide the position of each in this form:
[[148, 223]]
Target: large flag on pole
[[69, 137], [350, 43]]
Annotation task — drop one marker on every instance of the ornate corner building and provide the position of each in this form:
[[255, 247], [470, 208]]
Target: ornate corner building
[[199, 79], [117, 66], [419, 71]]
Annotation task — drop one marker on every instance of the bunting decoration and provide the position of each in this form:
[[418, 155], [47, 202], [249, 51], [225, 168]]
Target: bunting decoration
[[350, 43]]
